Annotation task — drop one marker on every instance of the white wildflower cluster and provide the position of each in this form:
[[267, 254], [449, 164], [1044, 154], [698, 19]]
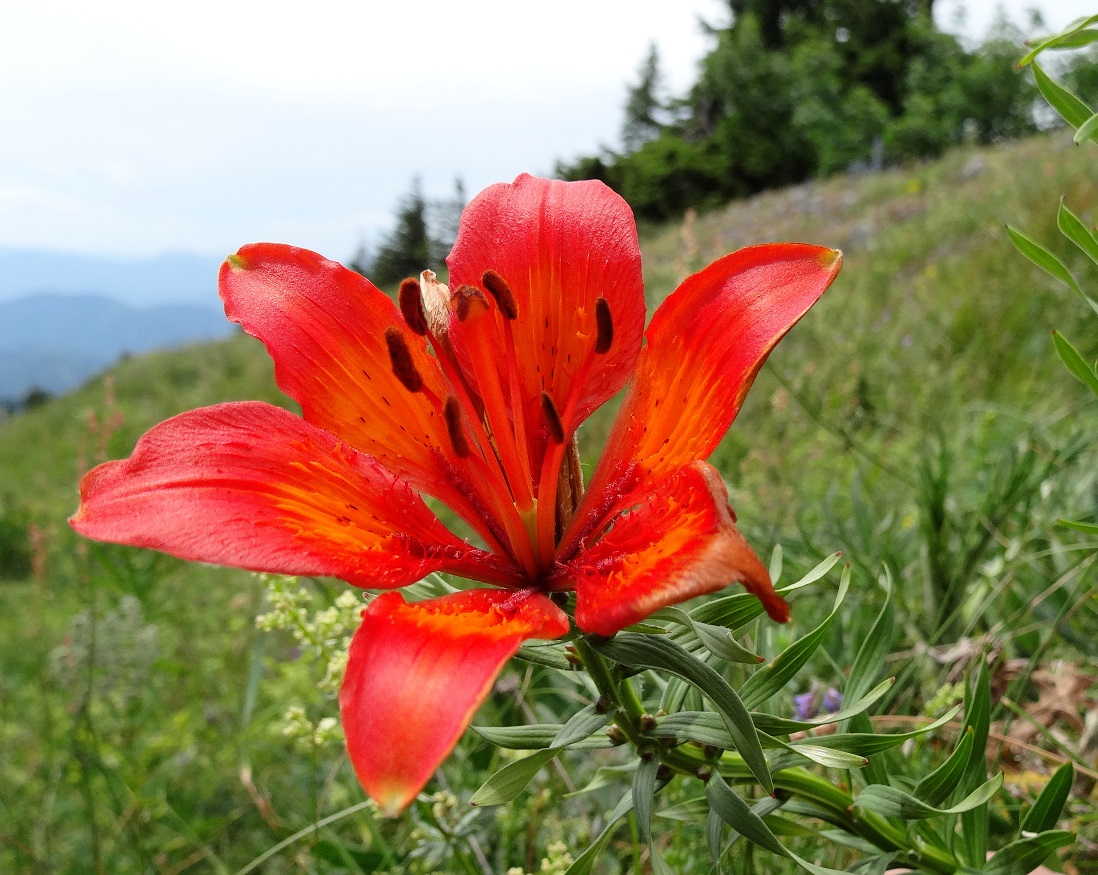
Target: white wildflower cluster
[[555, 862], [300, 728], [326, 633]]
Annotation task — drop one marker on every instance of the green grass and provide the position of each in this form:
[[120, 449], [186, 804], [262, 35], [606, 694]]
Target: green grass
[[917, 419]]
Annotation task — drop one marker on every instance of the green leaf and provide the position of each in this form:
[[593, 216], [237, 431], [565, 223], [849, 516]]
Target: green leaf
[[506, 784], [832, 758], [1070, 107], [606, 776], [584, 862], [719, 641], [974, 821], [868, 743], [1074, 362], [658, 863], [893, 802], [1080, 526], [1049, 805], [872, 653], [747, 821], [690, 811], [714, 836], [768, 681], [537, 736], [581, 725], [549, 655], [1023, 856], [1044, 259], [659, 653], [776, 563], [1071, 37], [738, 815], [936, 787], [1073, 228], [644, 793]]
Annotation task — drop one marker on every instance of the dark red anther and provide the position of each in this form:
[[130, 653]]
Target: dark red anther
[[467, 300], [497, 287], [552, 418], [401, 358], [605, 324], [411, 306], [452, 413]]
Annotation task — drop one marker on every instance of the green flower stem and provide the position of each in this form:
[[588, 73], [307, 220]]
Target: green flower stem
[[690, 761], [870, 826]]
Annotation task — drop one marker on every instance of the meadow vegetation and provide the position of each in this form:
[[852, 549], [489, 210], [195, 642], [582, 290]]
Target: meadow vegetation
[[917, 420]]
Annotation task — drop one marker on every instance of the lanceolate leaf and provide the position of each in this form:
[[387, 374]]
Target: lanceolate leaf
[[1074, 36], [1079, 526], [1072, 227], [506, 784], [1074, 362], [935, 788], [872, 653], [1044, 259], [1070, 107], [642, 651], [748, 822], [584, 862], [974, 821], [538, 736], [583, 724], [1049, 805], [1023, 856], [720, 643], [893, 802], [644, 792], [868, 743], [770, 680]]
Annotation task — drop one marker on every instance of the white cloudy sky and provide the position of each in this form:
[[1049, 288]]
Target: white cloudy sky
[[133, 128]]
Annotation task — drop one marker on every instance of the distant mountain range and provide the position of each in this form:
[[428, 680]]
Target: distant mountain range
[[55, 341], [65, 316], [142, 282]]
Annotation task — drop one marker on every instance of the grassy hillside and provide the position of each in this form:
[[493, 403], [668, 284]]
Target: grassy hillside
[[917, 419]]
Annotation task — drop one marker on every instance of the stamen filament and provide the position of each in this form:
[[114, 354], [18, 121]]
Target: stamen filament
[[482, 324], [494, 483]]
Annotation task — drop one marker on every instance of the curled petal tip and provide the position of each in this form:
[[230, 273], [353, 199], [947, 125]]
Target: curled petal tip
[[236, 262], [832, 258]]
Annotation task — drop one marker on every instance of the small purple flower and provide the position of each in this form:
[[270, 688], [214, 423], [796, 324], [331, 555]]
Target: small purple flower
[[832, 700], [806, 705]]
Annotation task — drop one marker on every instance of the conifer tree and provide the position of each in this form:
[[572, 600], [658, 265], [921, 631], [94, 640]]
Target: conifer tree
[[407, 249], [643, 105]]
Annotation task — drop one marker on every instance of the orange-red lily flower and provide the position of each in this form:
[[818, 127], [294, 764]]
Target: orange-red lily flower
[[472, 394]]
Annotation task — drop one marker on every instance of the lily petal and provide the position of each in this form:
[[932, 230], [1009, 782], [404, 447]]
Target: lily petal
[[417, 673], [559, 246], [325, 327], [670, 540], [251, 485], [705, 345]]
